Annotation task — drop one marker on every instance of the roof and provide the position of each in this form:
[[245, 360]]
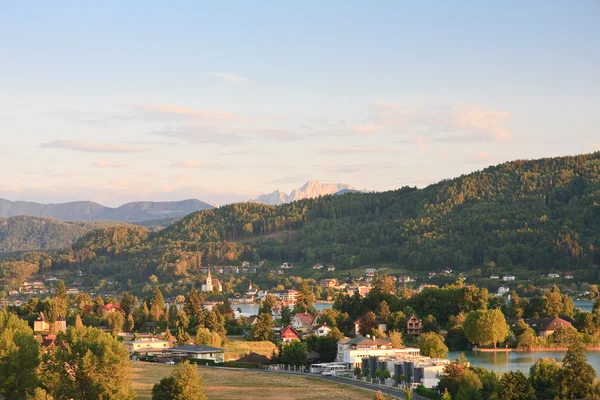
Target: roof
[[288, 332], [255, 358], [194, 348], [111, 307], [547, 324], [365, 341], [323, 325], [305, 318], [48, 340]]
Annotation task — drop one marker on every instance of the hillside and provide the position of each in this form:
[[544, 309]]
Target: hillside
[[90, 211], [309, 190], [542, 214], [26, 233]]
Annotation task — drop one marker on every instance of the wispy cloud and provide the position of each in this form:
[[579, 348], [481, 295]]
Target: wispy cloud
[[91, 147], [198, 134], [452, 123], [110, 164], [229, 77], [355, 150], [350, 169], [169, 111]]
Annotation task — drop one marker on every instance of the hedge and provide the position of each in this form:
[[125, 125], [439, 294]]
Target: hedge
[[235, 364]]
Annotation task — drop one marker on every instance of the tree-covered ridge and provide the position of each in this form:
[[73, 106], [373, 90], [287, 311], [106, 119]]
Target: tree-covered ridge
[[541, 214], [26, 233]]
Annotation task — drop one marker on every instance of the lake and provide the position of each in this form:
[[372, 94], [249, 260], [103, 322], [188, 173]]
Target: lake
[[585, 305], [511, 361]]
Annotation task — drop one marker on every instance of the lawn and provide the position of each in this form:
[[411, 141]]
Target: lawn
[[223, 384]]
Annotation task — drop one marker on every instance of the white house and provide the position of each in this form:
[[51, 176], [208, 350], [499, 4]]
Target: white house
[[212, 284], [322, 330], [494, 277], [507, 278], [302, 321], [553, 276], [502, 290], [421, 370]]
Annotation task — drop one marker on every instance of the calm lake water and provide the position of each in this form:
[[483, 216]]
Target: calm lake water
[[514, 360]]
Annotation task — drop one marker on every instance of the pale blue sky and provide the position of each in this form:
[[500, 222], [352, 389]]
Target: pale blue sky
[[222, 101]]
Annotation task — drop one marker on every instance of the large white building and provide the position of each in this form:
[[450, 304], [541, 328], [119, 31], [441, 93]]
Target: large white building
[[420, 370], [353, 351], [147, 345]]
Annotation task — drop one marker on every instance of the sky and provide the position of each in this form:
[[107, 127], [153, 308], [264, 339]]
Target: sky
[[119, 101]]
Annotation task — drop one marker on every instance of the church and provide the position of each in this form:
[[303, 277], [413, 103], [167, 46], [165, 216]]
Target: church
[[212, 284]]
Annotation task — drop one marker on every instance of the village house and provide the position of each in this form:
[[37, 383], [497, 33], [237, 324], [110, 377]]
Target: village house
[[502, 290], [432, 274], [328, 283], [447, 271], [425, 286], [405, 279], [330, 268], [110, 307], [72, 291], [553, 276], [288, 334], [41, 324], [318, 266], [198, 352], [414, 325], [546, 326], [568, 276], [370, 271], [147, 345], [321, 330], [288, 296], [507, 278], [302, 321], [494, 277]]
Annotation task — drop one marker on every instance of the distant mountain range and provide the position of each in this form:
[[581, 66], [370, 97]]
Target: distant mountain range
[[89, 211], [311, 189]]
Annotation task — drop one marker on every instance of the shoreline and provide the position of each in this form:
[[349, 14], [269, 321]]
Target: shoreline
[[532, 350]]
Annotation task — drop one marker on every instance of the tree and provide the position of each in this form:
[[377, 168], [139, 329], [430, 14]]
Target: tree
[[61, 291], [514, 385], [40, 394], [184, 384], [129, 324], [577, 376], [446, 395], [203, 336], [383, 310], [379, 396], [545, 378], [115, 321], [367, 323], [157, 309], [565, 335], [486, 327], [267, 304], [470, 386], [128, 303], [182, 337], [432, 345], [305, 299], [19, 357], [193, 304], [294, 353], [286, 315], [430, 324], [263, 328], [396, 338], [86, 363], [167, 335], [78, 322]]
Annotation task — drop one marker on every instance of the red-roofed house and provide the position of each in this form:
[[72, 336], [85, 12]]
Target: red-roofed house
[[288, 334], [302, 321], [48, 341], [111, 307]]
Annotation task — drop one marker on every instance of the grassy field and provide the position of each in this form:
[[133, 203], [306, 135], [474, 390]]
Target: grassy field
[[222, 384], [237, 348]]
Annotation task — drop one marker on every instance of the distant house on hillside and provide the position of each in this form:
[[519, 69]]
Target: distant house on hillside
[[330, 268], [328, 283], [380, 323], [322, 330], [494, 277], [553, 276], [507, 278], [255, 358]]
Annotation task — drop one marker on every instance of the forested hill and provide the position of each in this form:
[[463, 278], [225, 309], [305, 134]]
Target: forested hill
[[542, 214], [26, 233]]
